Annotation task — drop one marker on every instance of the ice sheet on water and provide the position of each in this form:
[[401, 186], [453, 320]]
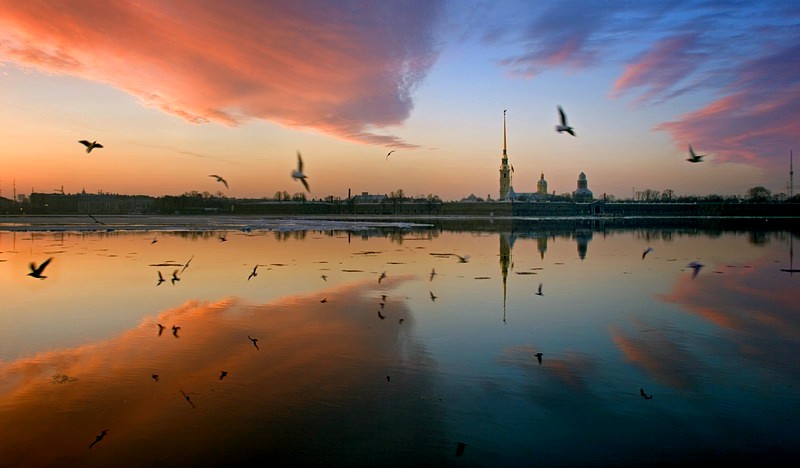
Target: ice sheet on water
[[102, 223]]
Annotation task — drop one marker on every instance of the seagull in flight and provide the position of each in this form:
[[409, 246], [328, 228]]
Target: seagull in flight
[[382, 277], [433, 297], [390, 152], [253, 273], [563, 127], [95, 219], [220, 179], [174, 277], [539, 357], [160, 279], [90, 146], [433, 273], [463, 259], [645, 395], [647, 251], [297, 174], [160, 329], [693, 157], [254, 340], [99, 437], [539, 292], [36, 272]]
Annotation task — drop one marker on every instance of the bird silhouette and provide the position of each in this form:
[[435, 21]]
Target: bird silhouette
[[254, 340], [298, 174], [160, 279], [175, 277], [563, 127], [380, 315], [390, 152], [186, 265], [155, 239], [188, 400], [175, 330], [694, 157], [695, 266], [220, 179], [433, 298], [36, 272], [645, 395], [460, 448], [160, 329], [90, 146], [324, 300], [154, 377], [539, 292], [433, 273], [223, 238], [324, 278], [463, 259], [647, 251], [400, 322], [100, 436], [253, 273], [381, 277], [388, 378], [95, 219], [223, 374], [539, 357]]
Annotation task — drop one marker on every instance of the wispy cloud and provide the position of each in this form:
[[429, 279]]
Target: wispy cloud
[[739, 58], [342, 69]]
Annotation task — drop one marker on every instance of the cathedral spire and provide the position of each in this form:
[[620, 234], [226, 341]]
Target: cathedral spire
[[504, 131]]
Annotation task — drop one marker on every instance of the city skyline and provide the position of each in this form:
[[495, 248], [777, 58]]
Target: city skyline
[[176, 91]]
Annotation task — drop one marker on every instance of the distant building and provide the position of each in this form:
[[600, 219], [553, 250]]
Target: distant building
[[366, 197], [541, 187], [582, 194]]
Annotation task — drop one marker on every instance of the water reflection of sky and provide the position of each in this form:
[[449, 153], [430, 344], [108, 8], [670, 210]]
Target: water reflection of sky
[[717, 351]]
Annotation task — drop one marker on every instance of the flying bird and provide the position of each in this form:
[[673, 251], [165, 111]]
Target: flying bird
[[433, 298], [90, 146], [539, 357], [154, 377], [160, 329], [187, 264], [298, 174], [463, 259], [254, 340], [382, 277], [253, 273], [693, 157], [324, 278], [155, 239], [390, 152], [223, 374], [645, 395], [563, 127], [175, 330], [460, 449], [324, 300], [539, 292], [160, 279], [223, 238], [695, 266], [175, 277], [100, 436], [220, 179], [36, 272], [647, 251], [380, 315], [95, 219], [433, 273], [188, 400]]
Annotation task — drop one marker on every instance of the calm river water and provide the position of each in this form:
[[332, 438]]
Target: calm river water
[[376, 344]]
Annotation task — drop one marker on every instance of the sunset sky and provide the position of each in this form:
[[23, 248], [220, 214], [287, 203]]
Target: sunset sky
[[177, 90]]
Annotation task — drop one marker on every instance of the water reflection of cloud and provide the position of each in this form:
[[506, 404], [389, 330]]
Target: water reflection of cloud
[[659, 353], [756, 307], [316, 391]]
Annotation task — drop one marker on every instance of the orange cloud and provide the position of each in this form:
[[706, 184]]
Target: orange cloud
[[310, 64]]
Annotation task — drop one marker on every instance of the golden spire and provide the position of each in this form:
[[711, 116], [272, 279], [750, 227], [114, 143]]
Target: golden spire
[[504, 131]]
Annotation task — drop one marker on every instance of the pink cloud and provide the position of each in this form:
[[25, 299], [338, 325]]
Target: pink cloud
[[339, 69], [661, 67], [756, 119]]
